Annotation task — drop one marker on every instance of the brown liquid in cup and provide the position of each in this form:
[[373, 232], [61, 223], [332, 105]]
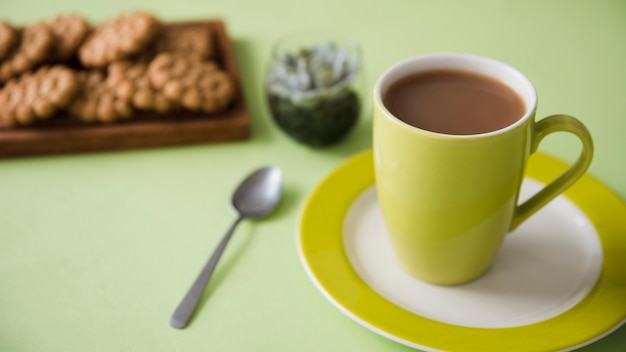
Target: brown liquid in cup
[[454, 102]]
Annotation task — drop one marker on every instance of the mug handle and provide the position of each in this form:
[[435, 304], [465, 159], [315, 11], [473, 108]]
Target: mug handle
[[551, 124]]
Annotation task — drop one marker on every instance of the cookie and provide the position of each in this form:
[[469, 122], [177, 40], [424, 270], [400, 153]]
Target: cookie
[[194, 84], [69, 32], [118, 39], [37, 96], [33, 48], [8, 39], [167, 67], [129, 81], [96, 103], [195, 41]]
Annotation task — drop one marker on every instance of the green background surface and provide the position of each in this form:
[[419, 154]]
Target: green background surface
[[96, 250]]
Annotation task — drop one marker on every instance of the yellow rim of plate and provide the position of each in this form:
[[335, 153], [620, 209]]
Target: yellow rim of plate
[[321, 250]]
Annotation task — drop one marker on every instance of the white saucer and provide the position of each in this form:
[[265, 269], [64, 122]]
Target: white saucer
[[547, 266]]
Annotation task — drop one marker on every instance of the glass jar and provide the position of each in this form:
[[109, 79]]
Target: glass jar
[[314, 85]]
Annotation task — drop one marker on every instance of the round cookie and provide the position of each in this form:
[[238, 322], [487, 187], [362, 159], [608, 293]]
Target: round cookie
[[37, 95], [69, 33], [96, 103], [194, 84], [33, 48], [8, 39], [118, 39], [167, 67], [129, 81]]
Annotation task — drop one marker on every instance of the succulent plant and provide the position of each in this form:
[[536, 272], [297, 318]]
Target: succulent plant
[[311, 92], [321, 70]]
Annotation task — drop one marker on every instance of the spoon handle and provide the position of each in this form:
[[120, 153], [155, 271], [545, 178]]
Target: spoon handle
[[187, 306]]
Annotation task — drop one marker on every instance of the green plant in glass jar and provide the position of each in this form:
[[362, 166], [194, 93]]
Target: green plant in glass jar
[[313, 87]]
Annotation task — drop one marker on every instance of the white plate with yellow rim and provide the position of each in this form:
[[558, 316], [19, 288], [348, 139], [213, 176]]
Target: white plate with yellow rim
[[558, 282]]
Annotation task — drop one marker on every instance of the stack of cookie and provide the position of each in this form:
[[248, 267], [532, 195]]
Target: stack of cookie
[[109, 72]]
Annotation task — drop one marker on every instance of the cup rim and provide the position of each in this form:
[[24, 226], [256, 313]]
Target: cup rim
[[417, 64]]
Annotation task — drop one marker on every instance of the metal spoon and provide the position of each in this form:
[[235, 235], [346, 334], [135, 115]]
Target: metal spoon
[[255, 197]]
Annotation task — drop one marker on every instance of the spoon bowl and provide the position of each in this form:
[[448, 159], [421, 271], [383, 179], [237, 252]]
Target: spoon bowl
[[256, 196], [259, 193]]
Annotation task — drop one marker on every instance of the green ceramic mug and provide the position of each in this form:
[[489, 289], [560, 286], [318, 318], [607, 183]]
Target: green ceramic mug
[[448, 201]]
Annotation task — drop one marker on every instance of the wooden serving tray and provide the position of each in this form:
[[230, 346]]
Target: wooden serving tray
[[146, 130]]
